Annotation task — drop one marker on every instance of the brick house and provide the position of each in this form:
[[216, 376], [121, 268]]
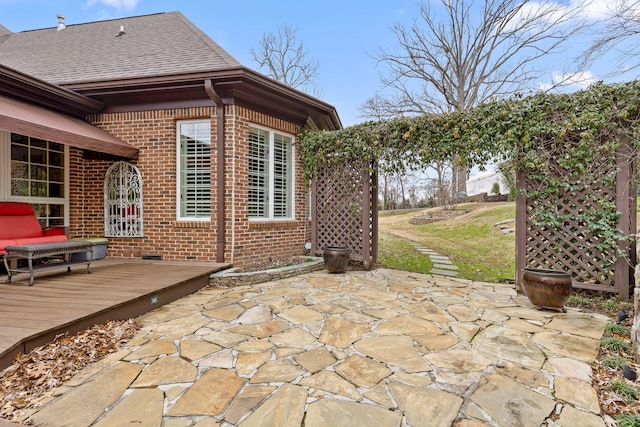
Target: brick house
[[143, 130]]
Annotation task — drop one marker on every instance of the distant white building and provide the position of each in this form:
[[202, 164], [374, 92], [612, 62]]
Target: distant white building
[[483, 182]]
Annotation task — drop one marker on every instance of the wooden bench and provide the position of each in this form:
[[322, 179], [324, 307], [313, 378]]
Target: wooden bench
[[57, 253]]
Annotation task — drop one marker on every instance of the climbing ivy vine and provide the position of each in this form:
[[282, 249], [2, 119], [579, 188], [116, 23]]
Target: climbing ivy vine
[[559, 140]]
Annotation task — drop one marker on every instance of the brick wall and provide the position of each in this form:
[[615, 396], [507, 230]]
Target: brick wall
[[255, 241], [154, 134]]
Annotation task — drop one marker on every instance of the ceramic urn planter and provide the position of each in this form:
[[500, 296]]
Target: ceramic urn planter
[[336, 258], [546, 288]]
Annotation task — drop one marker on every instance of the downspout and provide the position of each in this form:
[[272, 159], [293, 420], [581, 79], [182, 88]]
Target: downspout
[[208, 87]]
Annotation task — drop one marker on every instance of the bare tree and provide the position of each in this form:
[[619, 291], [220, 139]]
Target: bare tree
[[467, 52], [282, 57], [620, 30]]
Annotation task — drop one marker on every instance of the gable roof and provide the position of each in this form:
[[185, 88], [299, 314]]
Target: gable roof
[[162, 43]]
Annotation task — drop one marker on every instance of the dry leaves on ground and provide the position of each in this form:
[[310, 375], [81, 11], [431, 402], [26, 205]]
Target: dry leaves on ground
[[605, 377], [46, 367]]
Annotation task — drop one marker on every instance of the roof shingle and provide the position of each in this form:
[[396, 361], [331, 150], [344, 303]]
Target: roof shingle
[[163, 43]]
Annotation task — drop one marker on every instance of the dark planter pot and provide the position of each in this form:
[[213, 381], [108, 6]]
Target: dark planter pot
[[546, 288], [336, 258]]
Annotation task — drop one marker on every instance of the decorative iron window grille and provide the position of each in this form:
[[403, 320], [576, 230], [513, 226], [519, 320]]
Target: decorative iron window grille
[[123, 201]]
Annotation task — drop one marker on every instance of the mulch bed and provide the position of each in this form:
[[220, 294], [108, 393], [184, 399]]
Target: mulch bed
[[275, 263], [612, 403]]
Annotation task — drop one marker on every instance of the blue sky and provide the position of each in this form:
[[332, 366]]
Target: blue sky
[[341, 34]]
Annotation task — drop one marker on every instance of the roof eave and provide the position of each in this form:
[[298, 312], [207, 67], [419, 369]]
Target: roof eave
[[26, 88], [294, 94], [238, 83]]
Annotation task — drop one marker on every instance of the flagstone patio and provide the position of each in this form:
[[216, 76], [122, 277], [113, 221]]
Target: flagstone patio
[[384, 348]]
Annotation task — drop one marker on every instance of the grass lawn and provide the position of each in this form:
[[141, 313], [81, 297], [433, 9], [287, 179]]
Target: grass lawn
[[398, 253], [471, 241]]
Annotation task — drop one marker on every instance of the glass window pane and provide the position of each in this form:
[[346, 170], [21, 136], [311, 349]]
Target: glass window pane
[[56, 190], [270, 174], [19, 179], [38, 189], [35, 142], [56, 210], [19, 187], [54, 146], [258, 173], [282, 177], [38, 156], [56, 159], [19, 170], [19, 153], [38, 170], [19, 139], [56, 174], [195, 169], [49, 214]]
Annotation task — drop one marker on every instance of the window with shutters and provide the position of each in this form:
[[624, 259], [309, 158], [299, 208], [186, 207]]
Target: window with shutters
[[123, 201], [194, 170], [271, 174]]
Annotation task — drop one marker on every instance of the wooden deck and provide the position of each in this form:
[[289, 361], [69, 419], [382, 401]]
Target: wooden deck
[[62, 302]]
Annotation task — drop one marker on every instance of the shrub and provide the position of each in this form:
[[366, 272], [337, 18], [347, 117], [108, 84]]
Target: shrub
[[628, 420], [614, 328], [612, 305], [615, 344], [579, 300], [616, 362], [626, 390]]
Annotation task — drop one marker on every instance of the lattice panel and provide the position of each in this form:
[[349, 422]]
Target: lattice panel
[[343, 212], [570, 247], [574, 246]]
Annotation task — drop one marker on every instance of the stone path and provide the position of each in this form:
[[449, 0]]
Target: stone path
[[379, 348], [442, 265]]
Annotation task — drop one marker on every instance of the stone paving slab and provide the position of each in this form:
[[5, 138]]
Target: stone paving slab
[[445, 266], [443, 272], [383, 347], [439, 258], [442, 265]]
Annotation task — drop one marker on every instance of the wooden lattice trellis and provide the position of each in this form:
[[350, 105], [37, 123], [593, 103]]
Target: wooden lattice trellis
[[344, 212], [572, 247]]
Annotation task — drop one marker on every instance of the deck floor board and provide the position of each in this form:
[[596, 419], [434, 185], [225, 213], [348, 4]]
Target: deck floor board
[[60, 302]]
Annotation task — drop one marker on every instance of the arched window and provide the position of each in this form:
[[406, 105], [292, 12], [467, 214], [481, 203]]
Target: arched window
[[123, 201]]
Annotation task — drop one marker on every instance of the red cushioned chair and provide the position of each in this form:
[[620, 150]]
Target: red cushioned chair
[[19, 226]]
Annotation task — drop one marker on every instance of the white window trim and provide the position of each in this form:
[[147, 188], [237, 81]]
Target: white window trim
[[5, 178], [179, 170], [271, 218], [5, 165]]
